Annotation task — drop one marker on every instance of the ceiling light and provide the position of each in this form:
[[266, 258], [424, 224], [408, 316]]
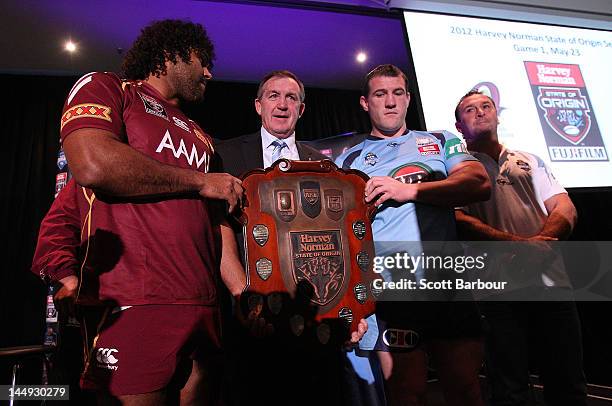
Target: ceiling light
[[361, 57], [70, 46]]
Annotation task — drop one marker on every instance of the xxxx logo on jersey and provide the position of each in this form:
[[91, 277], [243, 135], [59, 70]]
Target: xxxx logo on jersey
[[88, 110]]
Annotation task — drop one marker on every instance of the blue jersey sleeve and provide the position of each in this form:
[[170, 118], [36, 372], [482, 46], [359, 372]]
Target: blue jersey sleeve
[[455, 151], [346, 159]]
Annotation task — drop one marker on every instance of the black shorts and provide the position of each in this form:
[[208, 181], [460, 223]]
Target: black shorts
[[404, 326]]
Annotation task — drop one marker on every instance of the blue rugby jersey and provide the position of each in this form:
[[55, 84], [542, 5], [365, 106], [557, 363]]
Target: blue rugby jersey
[[414, 157]]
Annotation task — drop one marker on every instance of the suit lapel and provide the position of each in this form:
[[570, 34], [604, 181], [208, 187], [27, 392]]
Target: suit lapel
[[302, 152], [252, 152]]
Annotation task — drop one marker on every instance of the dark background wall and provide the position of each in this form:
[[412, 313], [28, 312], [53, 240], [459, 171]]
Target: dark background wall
[[29, 118]]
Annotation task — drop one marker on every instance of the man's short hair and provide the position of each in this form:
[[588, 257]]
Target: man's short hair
[[166, 40], [383, 70], [468, 94], [281, 74]]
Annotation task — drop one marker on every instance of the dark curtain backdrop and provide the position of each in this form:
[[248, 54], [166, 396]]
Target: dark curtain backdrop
[[30, 111]]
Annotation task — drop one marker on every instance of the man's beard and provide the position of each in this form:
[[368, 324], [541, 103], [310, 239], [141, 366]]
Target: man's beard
[[191, 91], [480, 136]]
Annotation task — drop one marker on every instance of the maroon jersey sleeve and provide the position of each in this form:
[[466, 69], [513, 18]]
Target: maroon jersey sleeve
[[95, 101], [59, 238]]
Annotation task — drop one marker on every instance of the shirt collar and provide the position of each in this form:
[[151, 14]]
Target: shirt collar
[[503, 155], [371, 137], [268, 139]]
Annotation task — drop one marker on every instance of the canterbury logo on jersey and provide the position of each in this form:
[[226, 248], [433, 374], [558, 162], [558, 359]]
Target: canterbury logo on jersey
[[86, 110], [180, 149], [106, 358]]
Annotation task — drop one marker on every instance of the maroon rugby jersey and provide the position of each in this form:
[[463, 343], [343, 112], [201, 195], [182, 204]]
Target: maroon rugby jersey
[[156, 251]]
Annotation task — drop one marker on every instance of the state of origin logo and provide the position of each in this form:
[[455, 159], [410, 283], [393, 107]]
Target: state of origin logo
[[566, 115]]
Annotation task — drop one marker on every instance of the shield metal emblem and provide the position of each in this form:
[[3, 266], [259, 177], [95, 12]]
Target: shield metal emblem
[[310, 193], [261, 234], [359, 229], [323, 333], [334, 203], [296, 322], [361, 293], [285, 204], [275, 303], [363, 260], [263, 266], [346, 314]]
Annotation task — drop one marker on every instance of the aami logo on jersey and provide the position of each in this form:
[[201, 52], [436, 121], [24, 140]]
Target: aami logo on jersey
[[413, 172], [193, 158], [569, 125]]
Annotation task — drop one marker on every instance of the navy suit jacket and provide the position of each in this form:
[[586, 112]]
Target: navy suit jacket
[[241, 154]]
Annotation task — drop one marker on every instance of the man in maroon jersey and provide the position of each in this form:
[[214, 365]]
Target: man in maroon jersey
[[151, 241]]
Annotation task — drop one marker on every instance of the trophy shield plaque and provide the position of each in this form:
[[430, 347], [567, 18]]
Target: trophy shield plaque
[[309, 249]]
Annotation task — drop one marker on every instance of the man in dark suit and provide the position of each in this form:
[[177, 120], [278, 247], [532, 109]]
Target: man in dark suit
[[314, 375], [279, 103]]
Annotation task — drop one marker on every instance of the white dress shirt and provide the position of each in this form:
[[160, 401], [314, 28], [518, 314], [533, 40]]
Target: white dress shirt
[[291, 152]]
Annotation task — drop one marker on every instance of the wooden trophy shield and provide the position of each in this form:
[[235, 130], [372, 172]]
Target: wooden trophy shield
[[309, 249]]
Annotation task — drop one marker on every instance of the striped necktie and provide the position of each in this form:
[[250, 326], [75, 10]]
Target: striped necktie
[[278, 149]]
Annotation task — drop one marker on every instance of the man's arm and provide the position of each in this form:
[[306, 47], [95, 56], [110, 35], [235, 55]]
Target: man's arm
[[466, 183], [562, 217], [232, 272], [100, 161], [59, 238], [56, 258], [472, 228]]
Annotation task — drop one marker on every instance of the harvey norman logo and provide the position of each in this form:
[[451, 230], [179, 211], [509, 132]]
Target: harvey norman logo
[[554, 74]]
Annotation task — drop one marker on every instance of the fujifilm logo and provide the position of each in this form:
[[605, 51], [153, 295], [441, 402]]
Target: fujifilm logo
[[106, 359]]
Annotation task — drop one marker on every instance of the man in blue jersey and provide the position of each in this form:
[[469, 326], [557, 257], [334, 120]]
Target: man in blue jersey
[[416, 180]]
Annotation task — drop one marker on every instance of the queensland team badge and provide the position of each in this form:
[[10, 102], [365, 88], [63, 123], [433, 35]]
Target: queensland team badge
[[566, 115]]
